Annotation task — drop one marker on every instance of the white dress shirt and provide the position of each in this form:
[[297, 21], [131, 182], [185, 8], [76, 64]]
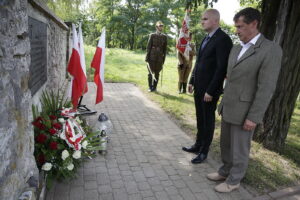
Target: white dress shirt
[[248, 45]]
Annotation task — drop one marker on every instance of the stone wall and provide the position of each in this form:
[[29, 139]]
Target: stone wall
[[16, 133], [57, 57], [57, 47], [17, 163]]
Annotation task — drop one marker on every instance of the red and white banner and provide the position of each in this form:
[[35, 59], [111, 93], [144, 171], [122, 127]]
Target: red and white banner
[[98, 64], [183, 42], [75, 69], [82, 57]]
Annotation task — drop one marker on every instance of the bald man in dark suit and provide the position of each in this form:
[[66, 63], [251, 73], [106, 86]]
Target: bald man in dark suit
[[207, 81]]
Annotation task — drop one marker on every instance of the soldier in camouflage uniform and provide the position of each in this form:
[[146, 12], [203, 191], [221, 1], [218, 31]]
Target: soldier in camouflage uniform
[[184, 67], [156, 54]]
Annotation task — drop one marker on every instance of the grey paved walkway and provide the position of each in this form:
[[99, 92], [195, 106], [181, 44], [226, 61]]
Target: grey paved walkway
[[144, 159]]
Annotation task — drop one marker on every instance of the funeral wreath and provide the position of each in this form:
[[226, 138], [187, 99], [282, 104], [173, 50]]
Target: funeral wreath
[[62, 139]]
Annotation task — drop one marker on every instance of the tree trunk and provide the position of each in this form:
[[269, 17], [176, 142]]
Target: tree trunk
[[132, 41], [286, 32], [108, 40]]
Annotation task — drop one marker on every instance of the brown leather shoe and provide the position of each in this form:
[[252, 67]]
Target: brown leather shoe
[[225, 187], [215, 177]]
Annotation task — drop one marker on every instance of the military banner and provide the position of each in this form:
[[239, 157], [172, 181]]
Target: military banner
[[184, 36]]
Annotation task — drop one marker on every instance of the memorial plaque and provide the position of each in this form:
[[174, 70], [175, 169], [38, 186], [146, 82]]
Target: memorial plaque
[[38, 54]]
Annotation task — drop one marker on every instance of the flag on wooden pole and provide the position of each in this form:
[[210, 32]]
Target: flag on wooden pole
[[98, 63], [76, 71], [183, 43]]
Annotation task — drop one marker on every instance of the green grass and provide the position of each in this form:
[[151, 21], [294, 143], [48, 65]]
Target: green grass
[[292, 150], [267, 170]]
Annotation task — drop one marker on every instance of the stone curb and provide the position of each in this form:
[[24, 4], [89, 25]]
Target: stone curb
[[287, 192]]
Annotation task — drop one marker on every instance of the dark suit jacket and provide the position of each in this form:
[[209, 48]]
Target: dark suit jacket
[[210, 67]]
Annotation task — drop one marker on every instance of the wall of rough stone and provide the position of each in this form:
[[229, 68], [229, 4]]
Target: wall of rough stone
[[57, 47], [16, 133], [17, 163], [57, 58]]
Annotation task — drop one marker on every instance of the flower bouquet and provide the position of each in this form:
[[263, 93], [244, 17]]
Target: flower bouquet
[[62, 139]]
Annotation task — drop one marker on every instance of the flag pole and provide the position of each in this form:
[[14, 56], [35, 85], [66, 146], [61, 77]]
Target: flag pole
[[83, 109]]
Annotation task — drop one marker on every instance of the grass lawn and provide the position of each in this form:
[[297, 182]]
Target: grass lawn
[[267, 170]]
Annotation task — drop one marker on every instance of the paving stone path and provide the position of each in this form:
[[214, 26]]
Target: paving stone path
[[144, 159]]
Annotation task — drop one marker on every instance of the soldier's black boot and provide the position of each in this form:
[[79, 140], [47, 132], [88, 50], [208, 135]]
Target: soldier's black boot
[[150, 83], [179, 87], [184, 88], [155, 82]]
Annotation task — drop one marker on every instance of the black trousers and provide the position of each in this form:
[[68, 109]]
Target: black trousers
[[205, 112]]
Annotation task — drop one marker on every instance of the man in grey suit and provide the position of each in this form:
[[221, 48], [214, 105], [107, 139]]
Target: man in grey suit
[[252, 73]]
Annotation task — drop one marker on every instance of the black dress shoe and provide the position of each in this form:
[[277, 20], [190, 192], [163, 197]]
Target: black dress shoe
[[199, 159], [193, 149]]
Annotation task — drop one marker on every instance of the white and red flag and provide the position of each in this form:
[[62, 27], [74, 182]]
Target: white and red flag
[[82, 57], [183, 42], [75, 69], [98, 63]]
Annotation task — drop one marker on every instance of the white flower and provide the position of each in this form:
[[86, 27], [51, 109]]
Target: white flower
[[77, 154], [63, 135], [84, 144], [70, 166], [47, 166], [64, 154], [61, 120]]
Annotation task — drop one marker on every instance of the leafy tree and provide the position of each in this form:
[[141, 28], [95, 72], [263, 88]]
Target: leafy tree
[[102, 15], [251, 3], [67, 10], [195, 3], [131, 13], [129, 22], [281, 23]]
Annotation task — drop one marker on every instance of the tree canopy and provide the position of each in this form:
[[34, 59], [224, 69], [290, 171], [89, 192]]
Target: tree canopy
[[129, 22]]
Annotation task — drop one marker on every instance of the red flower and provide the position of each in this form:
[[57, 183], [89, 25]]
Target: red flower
[[41, 159], [39, 125], [52, 131], [41, 138], [52, 117], [53, 145], [42, 127], [36, 123], [39, 119], [57, 126]]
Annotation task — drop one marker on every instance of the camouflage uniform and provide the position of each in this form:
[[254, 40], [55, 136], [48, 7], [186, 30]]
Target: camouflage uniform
[[184, 68], [156, 54]]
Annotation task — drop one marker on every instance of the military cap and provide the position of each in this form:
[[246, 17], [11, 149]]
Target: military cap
[[159, 23]]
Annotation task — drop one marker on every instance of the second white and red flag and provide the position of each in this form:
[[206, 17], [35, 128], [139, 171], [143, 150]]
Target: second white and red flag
[[98, 64]]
